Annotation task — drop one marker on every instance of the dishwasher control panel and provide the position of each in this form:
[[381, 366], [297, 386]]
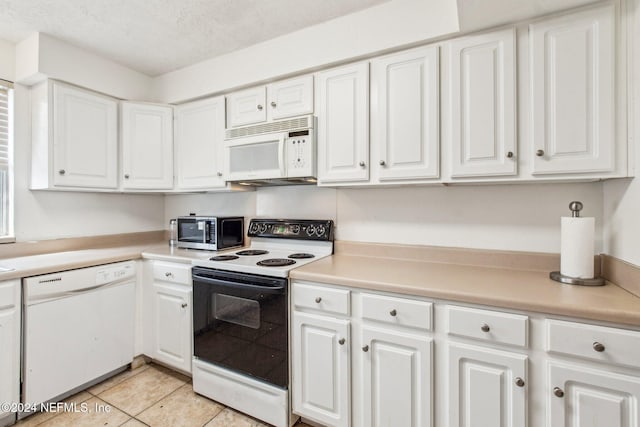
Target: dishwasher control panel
[[114, 273]]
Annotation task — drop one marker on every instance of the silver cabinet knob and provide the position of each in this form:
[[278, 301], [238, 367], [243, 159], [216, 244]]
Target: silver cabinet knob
[[510, 154], [361, 164], [382, 163], [260, 107], [539, 153], [62, 171], [219, 174], [393, 312], [273, 104], [557, 391], [485, 328], [519, 382], [318, 299], [184, 305], [341, 341], [126, 176], [365, 348], [599, 347]]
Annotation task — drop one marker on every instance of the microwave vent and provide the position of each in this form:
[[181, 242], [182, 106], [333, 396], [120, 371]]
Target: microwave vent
[[302, 122]]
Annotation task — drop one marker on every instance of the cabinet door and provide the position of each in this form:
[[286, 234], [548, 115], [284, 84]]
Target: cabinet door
[[582, 397], [85, 138], [397, 372], [199, 138], [572, 88], [291, 97], [484, 389], [483, 107], [404, 115], [342, 97], [10, 314], [321, 372], [147, 146], [247, 107], [172, 323]]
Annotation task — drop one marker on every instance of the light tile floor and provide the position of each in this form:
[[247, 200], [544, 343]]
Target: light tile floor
[[150, 395]]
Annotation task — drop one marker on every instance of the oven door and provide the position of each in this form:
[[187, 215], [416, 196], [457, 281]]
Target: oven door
[[255, 157], [240, 323]]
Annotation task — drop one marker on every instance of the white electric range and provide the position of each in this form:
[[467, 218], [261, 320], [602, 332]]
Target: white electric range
[[240, 316]]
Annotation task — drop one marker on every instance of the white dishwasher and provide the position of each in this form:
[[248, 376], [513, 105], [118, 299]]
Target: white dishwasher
[[78, 327]]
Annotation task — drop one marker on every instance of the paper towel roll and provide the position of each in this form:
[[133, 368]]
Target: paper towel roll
[[576, 247]]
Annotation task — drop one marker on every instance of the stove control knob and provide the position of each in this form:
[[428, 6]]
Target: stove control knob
[[295, 229], [253, 228], [320, 230], [263, 228], [311, 230]]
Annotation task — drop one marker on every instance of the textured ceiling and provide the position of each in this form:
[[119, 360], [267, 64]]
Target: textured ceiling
[[158, 36]]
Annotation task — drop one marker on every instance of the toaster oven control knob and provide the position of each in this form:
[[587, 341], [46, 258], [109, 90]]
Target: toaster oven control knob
[[311, 230], [320, 230]]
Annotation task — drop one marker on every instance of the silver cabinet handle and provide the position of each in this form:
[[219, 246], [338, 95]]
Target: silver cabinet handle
[[62, 171], [510, 154], [318, 299], [126, 176], [599, 347], [485, 328], [558, 392], [341, 341], [519, 382], [382, 163], [365, 348], [361, 164], [393, 312], [539, 153], [260, 107], [273, 104], [219, 173], [184, 305]]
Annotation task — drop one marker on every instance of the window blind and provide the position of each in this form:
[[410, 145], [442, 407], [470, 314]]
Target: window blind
[[5, 156]]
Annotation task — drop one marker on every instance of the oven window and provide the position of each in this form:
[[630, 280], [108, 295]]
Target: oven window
[[239, 311]]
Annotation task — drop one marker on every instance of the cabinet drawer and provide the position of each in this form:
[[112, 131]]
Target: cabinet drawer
[[328, 300], [397, 311], [170, 272], [610, 345], [488, 325]]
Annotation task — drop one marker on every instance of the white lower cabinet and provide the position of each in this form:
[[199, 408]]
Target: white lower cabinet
[[321, 369], [397, 384], [583, 397], [487, 387], [10, 315], [168, 328]]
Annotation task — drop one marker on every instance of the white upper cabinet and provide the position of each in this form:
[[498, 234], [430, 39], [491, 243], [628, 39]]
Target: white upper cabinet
[[286, 98], [405, 137], [342, 107], [198, 144], [74, 138], [147, 146], [293, 97], [573, 92], [483, 105]]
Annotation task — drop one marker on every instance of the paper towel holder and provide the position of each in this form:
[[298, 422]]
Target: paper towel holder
[[575, 207]]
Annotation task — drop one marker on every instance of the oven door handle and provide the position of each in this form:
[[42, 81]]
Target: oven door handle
[[236, 285]]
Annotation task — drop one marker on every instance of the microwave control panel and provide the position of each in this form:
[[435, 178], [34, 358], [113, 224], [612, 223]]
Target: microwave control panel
[[300, 153]]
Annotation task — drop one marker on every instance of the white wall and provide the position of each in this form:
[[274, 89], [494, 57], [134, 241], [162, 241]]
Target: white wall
[[503, 217], [47, 215], [7, 60], [388, 25]]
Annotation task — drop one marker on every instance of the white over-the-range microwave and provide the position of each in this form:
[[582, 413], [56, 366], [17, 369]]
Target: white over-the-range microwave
[[280, 152]]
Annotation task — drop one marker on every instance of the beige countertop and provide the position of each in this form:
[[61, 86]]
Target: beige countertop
[[519, 289]]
